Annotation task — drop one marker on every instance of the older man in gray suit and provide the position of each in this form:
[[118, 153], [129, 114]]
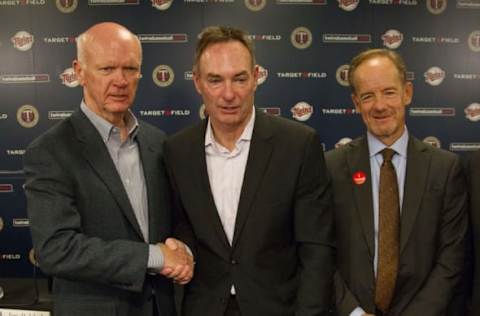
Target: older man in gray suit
[[97, 195]]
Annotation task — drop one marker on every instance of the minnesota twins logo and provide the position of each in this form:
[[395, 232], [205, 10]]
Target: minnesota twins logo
[[436, 6], [22, 41], [201, 112], [392, 39], [66, 6], [434, 76], [27, 116], [161, 5], [302, 111], [348, 5], [69, 78], [163, 76], [472, 112], [301, 37], [255, 5], [262, 75], [432, 141], [474, 41], [342, 75], [342, 142], [32, 258]]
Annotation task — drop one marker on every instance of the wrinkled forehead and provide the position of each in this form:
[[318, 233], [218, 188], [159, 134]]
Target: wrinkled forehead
[[376, 68], [114, 50]]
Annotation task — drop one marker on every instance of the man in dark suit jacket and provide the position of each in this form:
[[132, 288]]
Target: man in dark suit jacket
[[253, 198], [473, 176], [432, 220], [97, 194]]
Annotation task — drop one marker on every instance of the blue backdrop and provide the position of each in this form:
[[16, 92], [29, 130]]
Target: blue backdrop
[[303, 47]]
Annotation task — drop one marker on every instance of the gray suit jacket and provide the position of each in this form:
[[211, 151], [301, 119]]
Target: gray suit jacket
[[432, 233], [281, 259], [84, 230]]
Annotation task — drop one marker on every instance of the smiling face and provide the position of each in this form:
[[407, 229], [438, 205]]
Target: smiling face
[[109, 71], [381, 97], [226, 80]]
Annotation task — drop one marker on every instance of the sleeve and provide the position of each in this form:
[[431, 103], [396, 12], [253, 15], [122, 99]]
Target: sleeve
[[435, 294], [182, 230], [357, 312], [346, 303], [314, 232], [155, 258], [62, 248]]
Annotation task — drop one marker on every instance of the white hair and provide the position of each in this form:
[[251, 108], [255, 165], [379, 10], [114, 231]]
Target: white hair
[[83, 39]]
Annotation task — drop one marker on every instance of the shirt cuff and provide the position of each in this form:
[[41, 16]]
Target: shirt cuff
[[155, 259], [189, 251], [357, 312]]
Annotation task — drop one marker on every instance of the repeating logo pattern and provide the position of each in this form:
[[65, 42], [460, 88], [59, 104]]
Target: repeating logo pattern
[[303, 49]]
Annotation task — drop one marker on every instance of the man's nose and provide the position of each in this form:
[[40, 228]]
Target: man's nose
[[228, 93], [379, 102], [120, 78]]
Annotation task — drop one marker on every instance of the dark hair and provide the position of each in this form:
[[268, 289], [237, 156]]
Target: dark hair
[[221, 34]]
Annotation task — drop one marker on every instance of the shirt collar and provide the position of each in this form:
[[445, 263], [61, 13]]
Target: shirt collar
[[104, 127], [400, 145], [246, 134]]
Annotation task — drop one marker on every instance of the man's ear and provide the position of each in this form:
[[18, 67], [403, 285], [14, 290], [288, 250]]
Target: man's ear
[[196, 81], [408, 92], [356, 102], [79, 71], [256, 73]]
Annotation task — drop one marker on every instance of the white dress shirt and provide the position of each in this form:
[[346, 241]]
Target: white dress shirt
[[225, 173]]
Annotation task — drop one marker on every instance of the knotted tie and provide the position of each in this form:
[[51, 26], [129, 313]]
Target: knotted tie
[[388, 233]]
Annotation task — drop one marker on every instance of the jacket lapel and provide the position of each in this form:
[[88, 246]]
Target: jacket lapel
[[199, 175], [358, 160], [418, 162], [258, 157], [153, 172], [96, 153]]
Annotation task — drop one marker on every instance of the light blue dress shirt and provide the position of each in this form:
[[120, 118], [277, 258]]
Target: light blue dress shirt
[[126, 157]]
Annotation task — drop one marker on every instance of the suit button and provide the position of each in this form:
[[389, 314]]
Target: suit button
[[233, 262]]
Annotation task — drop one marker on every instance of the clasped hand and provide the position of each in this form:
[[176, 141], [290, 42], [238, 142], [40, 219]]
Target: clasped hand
[[178, 262]]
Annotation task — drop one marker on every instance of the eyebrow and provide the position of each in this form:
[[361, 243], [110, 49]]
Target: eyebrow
[[242, 73], [210, 75]]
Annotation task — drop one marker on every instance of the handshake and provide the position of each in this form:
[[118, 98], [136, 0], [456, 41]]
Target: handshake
[[178, 261]]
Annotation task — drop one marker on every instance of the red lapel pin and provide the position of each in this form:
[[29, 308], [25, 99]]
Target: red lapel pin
[[359, 177]]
